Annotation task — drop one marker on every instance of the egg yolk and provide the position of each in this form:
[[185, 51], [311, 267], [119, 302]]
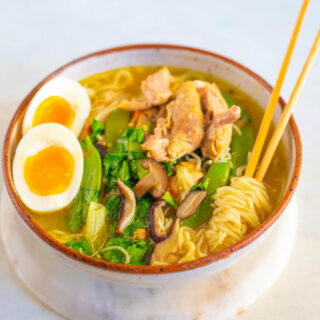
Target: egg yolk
[[49, 171], [54, 110]]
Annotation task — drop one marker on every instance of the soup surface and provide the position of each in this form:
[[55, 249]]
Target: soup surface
[[123, 130]]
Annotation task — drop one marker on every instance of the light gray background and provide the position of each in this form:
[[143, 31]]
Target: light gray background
[[38, 36]]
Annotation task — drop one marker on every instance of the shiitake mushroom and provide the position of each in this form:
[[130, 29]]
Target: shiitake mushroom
[[156, 180]]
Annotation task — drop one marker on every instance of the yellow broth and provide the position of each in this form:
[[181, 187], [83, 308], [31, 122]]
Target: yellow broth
[[100, 84]]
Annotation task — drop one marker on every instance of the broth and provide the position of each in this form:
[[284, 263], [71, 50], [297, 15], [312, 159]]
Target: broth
[[100, 85]]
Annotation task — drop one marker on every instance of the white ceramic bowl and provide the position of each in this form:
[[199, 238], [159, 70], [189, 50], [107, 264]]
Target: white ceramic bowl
[[220, 67]]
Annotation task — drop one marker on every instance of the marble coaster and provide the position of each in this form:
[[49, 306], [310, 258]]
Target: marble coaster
[[75, 294]]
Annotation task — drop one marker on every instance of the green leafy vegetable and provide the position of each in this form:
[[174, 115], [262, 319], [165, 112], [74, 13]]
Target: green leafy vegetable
[[122, 146], [97, 128], [96, 229], [138, 250], [167, 197], [81, 246], [113, 206], [135, 135], [90, 186], [140, 216], [130, 141], [169, 166], [124, 173], [112, 163], [203, 184], [136, 169], [125, 162]]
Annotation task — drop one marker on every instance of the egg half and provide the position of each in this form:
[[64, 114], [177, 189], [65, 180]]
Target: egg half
[[60, 100], [47, 167]]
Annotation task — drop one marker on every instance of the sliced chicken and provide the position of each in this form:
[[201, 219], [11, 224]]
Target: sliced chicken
[[135, 104], [156, 144], [155, 90], [181, 131], [141, 117], [227, 117], [218, 119]]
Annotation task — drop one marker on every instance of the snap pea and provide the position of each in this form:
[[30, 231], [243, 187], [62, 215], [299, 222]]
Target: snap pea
[[74, 218], [241, 144], [167, 197], [116, 124], [217, 176], [90, 186]]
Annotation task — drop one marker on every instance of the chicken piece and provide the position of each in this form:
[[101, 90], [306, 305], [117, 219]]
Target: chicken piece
[[187, 122], [227, 117], [135, 104], [181, 132], [218, 135], [157, 142], [141, 117], [212, 102], [155, 90], [217, 118]]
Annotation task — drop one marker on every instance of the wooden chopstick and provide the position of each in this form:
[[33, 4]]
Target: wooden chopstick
[[287, 111], [267, 119]]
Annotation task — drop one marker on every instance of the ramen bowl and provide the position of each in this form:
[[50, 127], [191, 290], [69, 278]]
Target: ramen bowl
[[157, 55]]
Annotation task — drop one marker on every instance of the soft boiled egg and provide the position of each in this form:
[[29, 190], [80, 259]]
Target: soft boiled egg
[[48, 167], [60, 100]]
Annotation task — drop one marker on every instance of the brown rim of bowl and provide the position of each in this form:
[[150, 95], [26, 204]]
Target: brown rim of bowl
[[148, 269]]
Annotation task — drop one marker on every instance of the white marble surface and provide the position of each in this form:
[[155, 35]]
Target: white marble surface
[[75, 294], [38, 36]]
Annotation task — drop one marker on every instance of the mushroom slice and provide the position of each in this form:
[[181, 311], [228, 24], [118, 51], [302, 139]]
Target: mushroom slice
[[190, 203], [102, 148], [128, 207], [165, 248], [156, 221], [156, 180]]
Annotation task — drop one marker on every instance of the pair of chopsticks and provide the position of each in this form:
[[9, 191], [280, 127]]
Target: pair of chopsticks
[[286, 114]]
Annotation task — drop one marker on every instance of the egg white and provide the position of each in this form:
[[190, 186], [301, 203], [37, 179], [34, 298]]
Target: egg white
[[37, 139], [70, 90]]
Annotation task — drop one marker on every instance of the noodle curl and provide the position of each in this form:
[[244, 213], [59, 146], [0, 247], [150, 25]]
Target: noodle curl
[[237, 210]]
